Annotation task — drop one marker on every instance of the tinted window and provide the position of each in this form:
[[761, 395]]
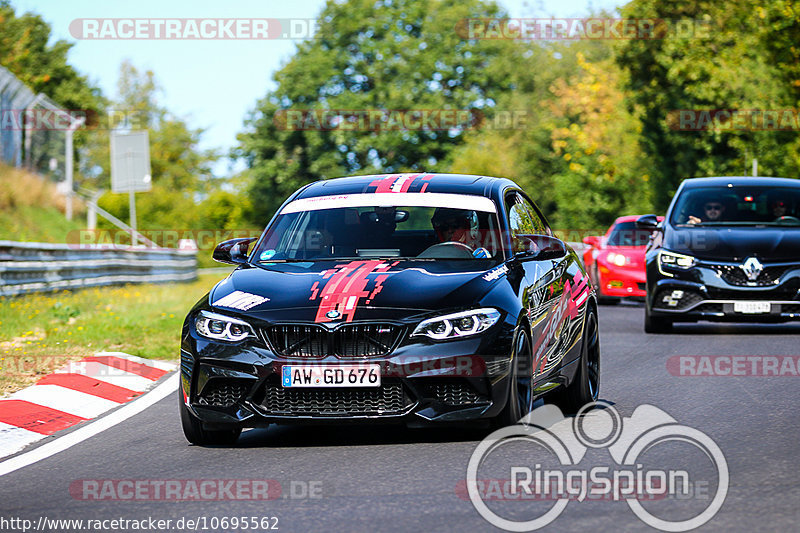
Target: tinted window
[[626, 234], [737, 205]]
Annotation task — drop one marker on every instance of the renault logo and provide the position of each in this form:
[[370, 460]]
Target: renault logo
[[752, 268]]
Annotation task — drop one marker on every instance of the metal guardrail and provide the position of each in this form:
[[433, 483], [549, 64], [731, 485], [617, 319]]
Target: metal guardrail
[[27, 267]]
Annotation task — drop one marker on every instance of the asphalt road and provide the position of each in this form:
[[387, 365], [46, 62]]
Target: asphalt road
[[389, 479]]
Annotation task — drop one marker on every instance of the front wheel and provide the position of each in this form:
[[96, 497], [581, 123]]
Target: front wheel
[[195, 433], [520, 392], [585, 386]]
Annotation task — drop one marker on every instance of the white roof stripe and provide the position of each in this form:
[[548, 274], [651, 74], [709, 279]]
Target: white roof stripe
[[397, 199]]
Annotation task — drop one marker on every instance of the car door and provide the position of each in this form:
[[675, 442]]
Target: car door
[[543, 286]]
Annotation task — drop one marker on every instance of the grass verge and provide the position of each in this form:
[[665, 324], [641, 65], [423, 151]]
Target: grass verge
[[41, 332]]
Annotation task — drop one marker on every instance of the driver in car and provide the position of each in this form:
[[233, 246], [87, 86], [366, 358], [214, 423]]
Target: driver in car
[[459, 226], [712, 212]]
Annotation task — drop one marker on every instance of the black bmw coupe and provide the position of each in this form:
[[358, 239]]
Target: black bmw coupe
[[728, 250], [408, 298]]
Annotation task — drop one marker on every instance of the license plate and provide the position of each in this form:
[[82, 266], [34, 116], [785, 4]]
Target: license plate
[[752, 308], [331, 376]]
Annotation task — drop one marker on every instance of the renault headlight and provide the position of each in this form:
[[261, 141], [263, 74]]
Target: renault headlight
[[458, 325], [673, 260], [222, 328]]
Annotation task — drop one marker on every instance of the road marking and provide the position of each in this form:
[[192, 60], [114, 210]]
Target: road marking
[[36, 418], [108, 374], [16, 438], [66, 400], [77, 393], [92, 386], [169, 386]]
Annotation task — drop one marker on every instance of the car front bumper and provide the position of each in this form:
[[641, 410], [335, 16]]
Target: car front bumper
[[702, 293], [421, 384]]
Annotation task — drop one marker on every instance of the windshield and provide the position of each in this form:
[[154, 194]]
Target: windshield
[[626, 234], [740, 205], [315, 230]]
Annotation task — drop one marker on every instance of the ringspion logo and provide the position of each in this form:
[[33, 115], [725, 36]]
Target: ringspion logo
[[535, 493]]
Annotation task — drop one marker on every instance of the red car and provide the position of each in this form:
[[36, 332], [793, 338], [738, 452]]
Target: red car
[[615, 261]]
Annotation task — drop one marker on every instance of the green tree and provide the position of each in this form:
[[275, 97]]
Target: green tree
[[26, 50], [724, 67], [368, 55]]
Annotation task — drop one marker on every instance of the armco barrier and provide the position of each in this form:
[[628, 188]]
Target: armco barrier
[[40, 267]]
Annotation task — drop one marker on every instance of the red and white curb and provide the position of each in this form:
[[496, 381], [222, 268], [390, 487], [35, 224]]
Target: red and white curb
[[76, 393]]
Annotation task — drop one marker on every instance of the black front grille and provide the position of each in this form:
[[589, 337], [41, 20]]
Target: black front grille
[[709, 308], [790, 308], [453, 392], [223, 392], [347, 341], [299, 341], [388, 399], [734, 275]]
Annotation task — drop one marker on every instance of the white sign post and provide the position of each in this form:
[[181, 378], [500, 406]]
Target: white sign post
[[130, 168]]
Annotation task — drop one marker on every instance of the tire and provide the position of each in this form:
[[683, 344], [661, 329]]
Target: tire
[[520, 392], [195, 433], [653, 324], [585, 386]]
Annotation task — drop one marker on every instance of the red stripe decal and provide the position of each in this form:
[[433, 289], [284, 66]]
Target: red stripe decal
[[36, 418], [89, 385], [128, 366], [347, 286]]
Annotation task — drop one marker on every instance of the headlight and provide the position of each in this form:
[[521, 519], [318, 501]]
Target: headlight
[[223, 328], [673, 260], [458, 325], [618, 259]]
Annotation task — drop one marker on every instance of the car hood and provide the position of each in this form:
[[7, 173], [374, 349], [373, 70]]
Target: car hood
[[736, 243], [344, 291]]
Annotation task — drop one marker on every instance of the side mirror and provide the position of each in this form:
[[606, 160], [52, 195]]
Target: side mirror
[[539, 247], [647, 222], [592, 241], [232, 252]]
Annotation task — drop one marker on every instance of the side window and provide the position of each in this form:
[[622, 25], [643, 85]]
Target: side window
[[523, 218]]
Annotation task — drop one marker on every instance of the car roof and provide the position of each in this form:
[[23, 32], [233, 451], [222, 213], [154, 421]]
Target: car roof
[[407, 182], [740, 181]]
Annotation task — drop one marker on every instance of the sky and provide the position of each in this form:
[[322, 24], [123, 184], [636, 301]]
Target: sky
[[213, 84]]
